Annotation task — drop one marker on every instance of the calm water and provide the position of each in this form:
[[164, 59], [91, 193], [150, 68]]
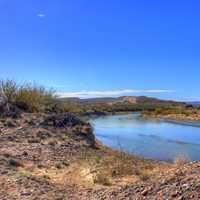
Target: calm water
[[148, 138]]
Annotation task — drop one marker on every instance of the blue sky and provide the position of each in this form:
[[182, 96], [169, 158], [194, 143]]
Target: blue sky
[[103, 48]]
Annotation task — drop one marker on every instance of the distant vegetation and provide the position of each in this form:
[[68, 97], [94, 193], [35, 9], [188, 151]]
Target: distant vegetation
[[179, 110], [181, 113]]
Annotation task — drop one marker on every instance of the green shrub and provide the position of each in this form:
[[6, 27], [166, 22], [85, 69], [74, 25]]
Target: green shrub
[[23, 174], [158, 111], [28, 97], [33, 98]]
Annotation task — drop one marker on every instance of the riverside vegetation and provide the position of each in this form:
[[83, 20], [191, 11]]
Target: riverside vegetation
[[187, 113], [48, 152]]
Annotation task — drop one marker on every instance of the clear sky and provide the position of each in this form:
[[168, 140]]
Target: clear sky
[[103, 47]]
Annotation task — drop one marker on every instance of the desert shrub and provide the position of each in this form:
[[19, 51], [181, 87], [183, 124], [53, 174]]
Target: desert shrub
[[59, 165], [103, 179], [52, 142], [34, 98], [62, 164], [121, 165], [144, 175], [181, 160], [69, 106], [46, 176], [28, 97], [8, 90], [158, 111], [34, 140], [23, 174], [41, 165]]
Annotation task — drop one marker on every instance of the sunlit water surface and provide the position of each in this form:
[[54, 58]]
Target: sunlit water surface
[[148, 138]]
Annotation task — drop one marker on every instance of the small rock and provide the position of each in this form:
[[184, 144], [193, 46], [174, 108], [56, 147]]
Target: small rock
[[26, 193], [144, 192]]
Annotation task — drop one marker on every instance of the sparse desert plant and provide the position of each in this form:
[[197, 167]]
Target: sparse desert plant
[[66, 163], [46, 176], [62, 164], [98, 159], [52, 142], [144, 175], [181, 160], [8, 90], [23, 174], [41, 165], [158, 111], [103, 179], [59, 165], [27, 96], [9, 124], [34, 140], [33, 98], [121, 164]]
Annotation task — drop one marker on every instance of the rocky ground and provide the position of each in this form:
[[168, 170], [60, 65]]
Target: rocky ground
[[56, 157]]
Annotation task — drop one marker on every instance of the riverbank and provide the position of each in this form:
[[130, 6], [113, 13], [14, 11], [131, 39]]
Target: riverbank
[[178, 114], [57, 156], [87, 117], [193, 120], [174, 118]]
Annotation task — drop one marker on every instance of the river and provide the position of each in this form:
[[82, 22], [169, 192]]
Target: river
[[152, 139]]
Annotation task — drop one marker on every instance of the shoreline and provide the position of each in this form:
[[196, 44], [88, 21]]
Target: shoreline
[[186, 122], [194, 123], [96, 115]]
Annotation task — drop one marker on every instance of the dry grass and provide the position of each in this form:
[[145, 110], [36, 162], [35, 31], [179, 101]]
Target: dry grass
[[119, 165], [181, 160], [103, 179]]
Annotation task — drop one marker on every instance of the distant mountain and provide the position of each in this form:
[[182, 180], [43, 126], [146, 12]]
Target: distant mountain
[[125, 99], [90, 100], [99, 100], [128, 99], [74, 99]]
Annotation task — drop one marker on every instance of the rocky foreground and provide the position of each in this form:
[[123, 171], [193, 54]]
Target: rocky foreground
[[56, 157]]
